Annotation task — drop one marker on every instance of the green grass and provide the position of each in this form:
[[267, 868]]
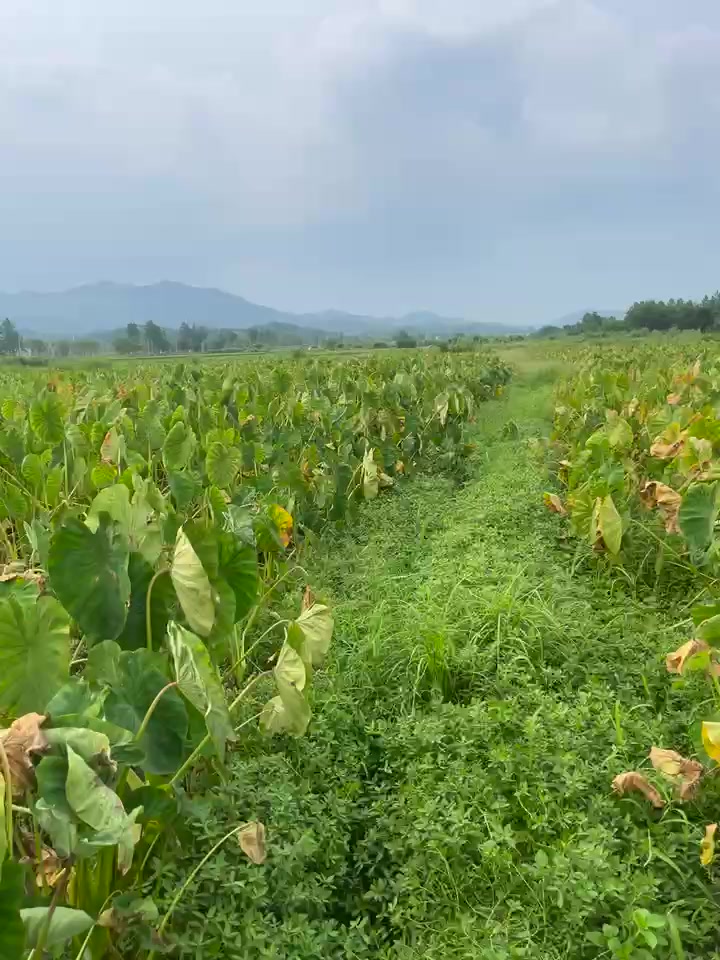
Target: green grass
[[452, 799]]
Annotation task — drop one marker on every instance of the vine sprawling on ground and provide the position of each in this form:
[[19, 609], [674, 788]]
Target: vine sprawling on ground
[[151, 519]]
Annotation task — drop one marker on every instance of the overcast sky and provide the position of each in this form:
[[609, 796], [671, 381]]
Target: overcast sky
[[503, 160]]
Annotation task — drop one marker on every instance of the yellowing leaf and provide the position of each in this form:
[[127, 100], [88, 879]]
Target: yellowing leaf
[[252, 841], [283, 522], [667, 446], [553, 502], [707, 845], [192, 585], [675, 661], [711, 739], [685, 773], [606, 525], [634, 781]]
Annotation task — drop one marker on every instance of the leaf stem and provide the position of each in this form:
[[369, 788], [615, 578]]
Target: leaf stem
[[8, 798], [42, 937], [180, 773], [193, 873], [148, 607]]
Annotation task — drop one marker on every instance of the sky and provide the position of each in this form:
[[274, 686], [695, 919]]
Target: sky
[[500, 160]]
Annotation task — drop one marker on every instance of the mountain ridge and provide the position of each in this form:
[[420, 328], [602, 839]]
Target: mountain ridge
[[106, 305]]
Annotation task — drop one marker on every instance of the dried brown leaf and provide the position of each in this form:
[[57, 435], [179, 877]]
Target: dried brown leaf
[[664, 450], [553, 502], [632, 780], [668, 501], [49, 870], [674, 399], [308, 598], [675, 661], [21, 740], [252, 841], [686, 774]]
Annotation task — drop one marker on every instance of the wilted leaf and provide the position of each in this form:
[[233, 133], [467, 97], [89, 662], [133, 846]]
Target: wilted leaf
[[634, 781], [289, 712], [685, 773], [665, 449], [707, 845], [370, 480], [192, 585], [49, 870], [675, 661], [283, 522], [553, 502], [674, 399], [656, 494], [606, 525], [252, 841], [23, 740], [316, 623], [308, 598]]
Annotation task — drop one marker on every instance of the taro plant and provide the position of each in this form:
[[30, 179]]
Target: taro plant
[[122, 666]]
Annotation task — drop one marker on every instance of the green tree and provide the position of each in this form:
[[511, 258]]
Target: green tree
[[9, 337], [156, 338]]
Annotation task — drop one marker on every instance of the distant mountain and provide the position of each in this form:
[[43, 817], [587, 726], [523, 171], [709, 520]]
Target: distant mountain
[[577, 315], [103, 307]]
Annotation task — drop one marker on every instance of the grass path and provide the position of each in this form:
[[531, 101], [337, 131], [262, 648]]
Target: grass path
[[453, 797]]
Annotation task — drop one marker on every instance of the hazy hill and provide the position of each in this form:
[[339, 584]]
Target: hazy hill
[[103, 307]]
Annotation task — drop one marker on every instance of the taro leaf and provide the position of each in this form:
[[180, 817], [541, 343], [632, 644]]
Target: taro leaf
[[704, 611], [90, 799], [115, 501], [608, 524], [159, 804], [184, 486], [199, 682], [13, 502], [74, 697], [289, 712], [85, 742], [252, 841], [127, 703], [619, 432], [697, 516], [12, 895], [238, 566], [370, 480], [162, 598], [54, 813], [222, 464], [65, 924], [709, 631], [316, 624], [32, 471], [103, 663], [178, 447], [89, 574], [53, 485], [710, 732], [192, 585], [34, 651], [46, 419], [3, 831], [103, 475]]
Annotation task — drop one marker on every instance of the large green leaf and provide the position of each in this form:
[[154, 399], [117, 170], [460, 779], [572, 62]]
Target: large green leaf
[[12, 894], [89, 574], [179, 446], [192, 585], [34, 652], [32, 470], [54, 813], [46, 418], [128, 701], [222, 464], [199, 682], [697, 515], [85, 742], [238, 566], [65, 924]]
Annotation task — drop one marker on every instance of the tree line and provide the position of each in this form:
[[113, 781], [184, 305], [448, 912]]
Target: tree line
[[703, 315]]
